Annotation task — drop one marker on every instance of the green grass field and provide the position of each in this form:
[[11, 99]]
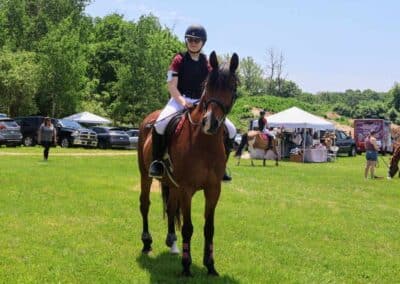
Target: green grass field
[[76, 219]]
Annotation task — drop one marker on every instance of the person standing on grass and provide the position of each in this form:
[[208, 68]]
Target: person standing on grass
[[47, 135], [371, 155]]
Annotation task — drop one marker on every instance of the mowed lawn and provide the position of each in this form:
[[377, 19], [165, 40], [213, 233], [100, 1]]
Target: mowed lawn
[[76, 219]]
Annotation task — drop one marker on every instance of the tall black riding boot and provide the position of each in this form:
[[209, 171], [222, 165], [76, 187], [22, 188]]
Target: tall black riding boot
[[157, 167], [243, 143], [228, 143]]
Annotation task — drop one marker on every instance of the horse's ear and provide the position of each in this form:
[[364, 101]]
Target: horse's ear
[[234, 63], [214, 60]]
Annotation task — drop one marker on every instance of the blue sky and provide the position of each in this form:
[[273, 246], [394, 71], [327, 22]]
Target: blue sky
[[328, 45]]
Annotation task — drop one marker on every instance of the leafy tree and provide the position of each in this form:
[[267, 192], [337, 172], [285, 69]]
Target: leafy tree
[[393, 114], [343, 109], [395, 94], [63, 68], [141, 86], [289, 89], [251, 76], [25, 22], [18, 82], [370, 110]]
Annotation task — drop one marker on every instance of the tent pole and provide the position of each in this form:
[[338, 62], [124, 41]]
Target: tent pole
[[304, 143]]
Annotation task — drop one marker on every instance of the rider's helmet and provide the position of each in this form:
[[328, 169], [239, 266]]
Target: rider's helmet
[[262, 112], [196, 31]]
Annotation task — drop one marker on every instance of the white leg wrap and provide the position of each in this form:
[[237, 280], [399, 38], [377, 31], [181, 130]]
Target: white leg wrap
[[174, 248]]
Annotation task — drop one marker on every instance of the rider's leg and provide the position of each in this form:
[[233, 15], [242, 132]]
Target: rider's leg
[[242, 144], [158, 140], [158, 143], [228, 143]]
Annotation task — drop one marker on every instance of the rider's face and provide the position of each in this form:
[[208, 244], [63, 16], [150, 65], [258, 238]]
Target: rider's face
[[194, 44]]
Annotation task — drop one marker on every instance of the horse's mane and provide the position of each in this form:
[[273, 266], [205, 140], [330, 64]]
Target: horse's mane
[[220, 79]]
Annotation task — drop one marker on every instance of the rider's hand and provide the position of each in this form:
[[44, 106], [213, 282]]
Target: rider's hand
[[188, 105]]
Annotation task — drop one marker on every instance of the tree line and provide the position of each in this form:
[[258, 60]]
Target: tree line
[[270, 81], [56, 60]]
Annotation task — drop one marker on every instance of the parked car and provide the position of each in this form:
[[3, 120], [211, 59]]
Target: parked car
[[29, 128], [10, 134], [346, 143], [133, 138], [3, 115], [69, 132], [111, 137]]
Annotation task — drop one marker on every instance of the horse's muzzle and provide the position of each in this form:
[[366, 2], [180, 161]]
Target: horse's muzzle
[[210, 124]]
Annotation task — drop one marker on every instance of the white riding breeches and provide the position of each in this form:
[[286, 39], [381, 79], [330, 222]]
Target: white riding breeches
[[173, 107]]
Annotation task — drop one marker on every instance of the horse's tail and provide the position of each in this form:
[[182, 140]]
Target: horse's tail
[[165, 196]]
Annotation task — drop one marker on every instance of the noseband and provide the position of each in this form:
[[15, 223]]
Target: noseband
[[224, 108]]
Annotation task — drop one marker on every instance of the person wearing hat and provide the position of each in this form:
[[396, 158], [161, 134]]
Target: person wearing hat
[[262, 121], [371, 154], [185, 78], [47, 135]]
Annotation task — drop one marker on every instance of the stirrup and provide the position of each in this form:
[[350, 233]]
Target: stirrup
[[226, 177], [156, 169]]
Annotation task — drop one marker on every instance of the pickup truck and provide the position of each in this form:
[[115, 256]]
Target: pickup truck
[[69, 132]]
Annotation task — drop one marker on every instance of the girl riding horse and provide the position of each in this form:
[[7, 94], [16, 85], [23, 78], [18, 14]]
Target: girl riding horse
[[197, 161]]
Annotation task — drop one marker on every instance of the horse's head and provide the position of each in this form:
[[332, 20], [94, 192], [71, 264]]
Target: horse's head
[[219, 93]]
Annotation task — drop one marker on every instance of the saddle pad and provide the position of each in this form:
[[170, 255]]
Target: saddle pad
[[261, 141]]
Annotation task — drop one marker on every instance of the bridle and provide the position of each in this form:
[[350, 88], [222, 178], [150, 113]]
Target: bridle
[[224, 108]]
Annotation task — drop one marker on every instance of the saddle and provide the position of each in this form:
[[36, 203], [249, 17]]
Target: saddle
[[174, 126], [261, 140]]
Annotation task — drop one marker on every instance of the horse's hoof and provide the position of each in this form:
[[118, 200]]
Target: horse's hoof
[[174, 248], [146, 251], [186, 273], [213, 272]]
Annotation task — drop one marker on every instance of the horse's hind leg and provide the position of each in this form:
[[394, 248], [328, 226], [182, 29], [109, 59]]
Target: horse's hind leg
[[144, 210], [276, 158], [172, 213], [238, 160]]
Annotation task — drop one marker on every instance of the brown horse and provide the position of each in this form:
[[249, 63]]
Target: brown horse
[[197, 156], [394, 163], [258, 145]]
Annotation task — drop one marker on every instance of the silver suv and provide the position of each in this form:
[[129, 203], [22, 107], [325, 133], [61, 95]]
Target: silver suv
[[10, 133]]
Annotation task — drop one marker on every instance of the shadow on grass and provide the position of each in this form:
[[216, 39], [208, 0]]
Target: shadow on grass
[[166, 268], [256, 165]]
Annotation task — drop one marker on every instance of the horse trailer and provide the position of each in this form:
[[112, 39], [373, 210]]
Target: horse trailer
[[362, 127]]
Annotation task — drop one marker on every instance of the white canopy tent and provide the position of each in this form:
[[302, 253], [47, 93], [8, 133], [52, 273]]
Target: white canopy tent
[[295, 117], [88, 118]]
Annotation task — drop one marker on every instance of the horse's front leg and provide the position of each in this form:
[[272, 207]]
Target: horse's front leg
[[144, 210], [187, 231], [276, 157], [173, 214], [212, 195]]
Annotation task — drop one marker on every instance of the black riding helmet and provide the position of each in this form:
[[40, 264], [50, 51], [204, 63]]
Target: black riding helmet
[[262, 112], [196, 31]]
